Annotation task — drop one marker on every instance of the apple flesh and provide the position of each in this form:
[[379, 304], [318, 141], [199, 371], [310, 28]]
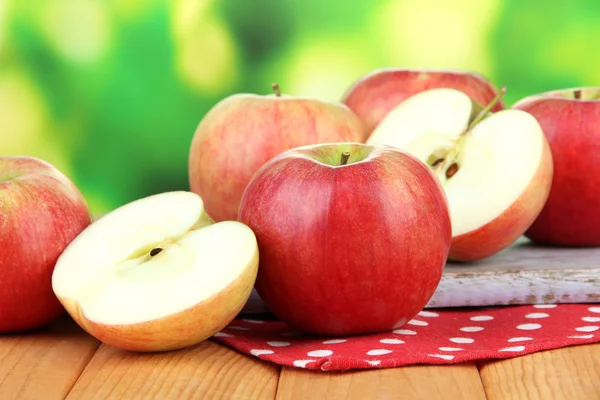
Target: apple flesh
[[41, 211], [353, 238], [496, 168], [157, 274], [375, 94], [570, 119], [243, 131]]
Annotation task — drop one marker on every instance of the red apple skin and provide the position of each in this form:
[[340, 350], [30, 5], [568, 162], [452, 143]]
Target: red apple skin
[[41, 212], [571, 215], [242, 132], [375, 94], [505, 229], [351, 249]]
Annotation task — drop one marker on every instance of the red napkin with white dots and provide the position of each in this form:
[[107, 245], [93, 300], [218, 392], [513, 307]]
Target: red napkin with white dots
[[435, 336]]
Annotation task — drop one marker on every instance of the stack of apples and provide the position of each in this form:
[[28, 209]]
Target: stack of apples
[[342, 215]]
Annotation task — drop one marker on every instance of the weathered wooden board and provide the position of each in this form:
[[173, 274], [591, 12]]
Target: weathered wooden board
[[522, 274]]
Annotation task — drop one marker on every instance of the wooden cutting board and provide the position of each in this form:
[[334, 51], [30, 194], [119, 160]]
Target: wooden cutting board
[[521, 274]]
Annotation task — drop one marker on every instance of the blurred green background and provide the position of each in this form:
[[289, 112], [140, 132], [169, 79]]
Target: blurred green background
[[111, 91]]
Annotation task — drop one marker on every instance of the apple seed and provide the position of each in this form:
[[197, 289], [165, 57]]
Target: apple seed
[[437, 162], [155, 251], [452, 170]]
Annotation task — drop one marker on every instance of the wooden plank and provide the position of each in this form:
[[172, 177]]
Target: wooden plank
[[459, 381], [44, 364], [205, 371], [566, 373], [521, 274]]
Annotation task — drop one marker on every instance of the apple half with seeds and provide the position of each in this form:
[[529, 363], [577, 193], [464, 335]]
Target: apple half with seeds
[[496, 168], [157, 274]]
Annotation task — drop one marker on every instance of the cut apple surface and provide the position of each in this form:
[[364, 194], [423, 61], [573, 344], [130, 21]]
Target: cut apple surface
[[496, 168], [157, 273]]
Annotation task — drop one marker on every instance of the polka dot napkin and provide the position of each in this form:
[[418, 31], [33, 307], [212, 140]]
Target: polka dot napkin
[[442, 336]]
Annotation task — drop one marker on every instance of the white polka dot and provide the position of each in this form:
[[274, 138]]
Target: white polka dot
[[253, 321], [239, 328], [450, 349], [417, 322], [587, 328], [519, 339], [461, 340], [481, 318], [471, 328], [378, 352], [259, 352], [516, 348], [537, 315], [222, 334], [594, 310], [374, 362], [391, 341], [529, 327], [428, 314], [591, 319], [582, 336], [319, 353], [335, 341], [278, 344], [442, 356], [544, 305], [405, 332], [302, 363]]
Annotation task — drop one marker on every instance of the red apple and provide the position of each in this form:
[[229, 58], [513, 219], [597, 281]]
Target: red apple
[[41, 212], [242, 132], [353, 238], [372, 96], [570, 119]]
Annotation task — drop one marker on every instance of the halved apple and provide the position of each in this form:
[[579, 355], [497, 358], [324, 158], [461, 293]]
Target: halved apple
[[496, 168], [157, 274]]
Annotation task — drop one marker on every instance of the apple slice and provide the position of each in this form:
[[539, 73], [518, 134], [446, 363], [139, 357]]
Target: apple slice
[[157, 274], [496, 168]]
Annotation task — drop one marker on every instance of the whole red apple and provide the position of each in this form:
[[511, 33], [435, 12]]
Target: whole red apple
[[243, 131], [41, 212], [570, 119], [353, 238], [373, 95]]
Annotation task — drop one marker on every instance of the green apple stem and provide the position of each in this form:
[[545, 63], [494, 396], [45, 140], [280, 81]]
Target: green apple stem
[[276, 90], [344, 158], [485, 111], [449, 165], [155, 251]]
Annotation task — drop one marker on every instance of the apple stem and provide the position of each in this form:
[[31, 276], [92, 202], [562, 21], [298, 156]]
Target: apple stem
[[276, 90], [577, 94], [345, 157], [155, 251], [448, 164], [486, 110]]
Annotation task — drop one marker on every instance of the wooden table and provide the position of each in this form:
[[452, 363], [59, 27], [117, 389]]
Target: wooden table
[[61, 361]]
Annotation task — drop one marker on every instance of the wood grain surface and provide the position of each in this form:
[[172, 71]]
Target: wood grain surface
[[44, 364], [62, 361], [460, 381], [569, 373], [204, 371]]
